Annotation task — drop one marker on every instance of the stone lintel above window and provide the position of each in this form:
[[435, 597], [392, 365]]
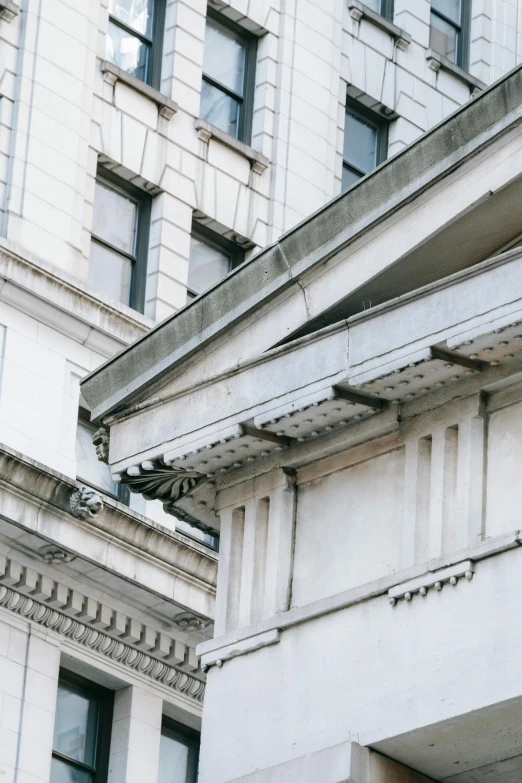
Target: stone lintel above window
[[112, 74], [8, 10], [206, 131], [437, 62], [360, 11]]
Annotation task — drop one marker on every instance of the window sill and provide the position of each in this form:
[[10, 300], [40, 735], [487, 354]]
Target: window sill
[[360, 11], [437, 61], [206, 131], [8, 10], [112, 74]]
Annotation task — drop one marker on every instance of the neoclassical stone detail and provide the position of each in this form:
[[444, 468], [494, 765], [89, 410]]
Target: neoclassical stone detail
[[85, 503], [57, 556], [157, 481], [190, 622], [100, 440], [102, 643]]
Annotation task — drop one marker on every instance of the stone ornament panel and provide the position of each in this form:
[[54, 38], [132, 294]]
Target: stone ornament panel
[[42, 600]]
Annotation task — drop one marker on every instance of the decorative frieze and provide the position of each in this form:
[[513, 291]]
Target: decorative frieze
[[111, 633], [85, 503], [102, 643]]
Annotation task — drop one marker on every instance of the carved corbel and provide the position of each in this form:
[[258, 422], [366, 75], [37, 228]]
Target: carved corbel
[[85, 503], [101, 442]]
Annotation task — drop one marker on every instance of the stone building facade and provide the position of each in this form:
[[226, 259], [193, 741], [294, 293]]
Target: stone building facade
[[147, 149]]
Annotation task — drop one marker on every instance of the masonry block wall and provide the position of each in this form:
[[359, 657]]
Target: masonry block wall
[[63, 119]]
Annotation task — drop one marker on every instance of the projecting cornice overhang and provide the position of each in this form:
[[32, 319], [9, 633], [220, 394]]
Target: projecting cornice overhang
[[279, 271], [309, 398]]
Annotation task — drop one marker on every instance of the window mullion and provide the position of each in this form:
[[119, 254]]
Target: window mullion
[[220, 86], [143, 38]]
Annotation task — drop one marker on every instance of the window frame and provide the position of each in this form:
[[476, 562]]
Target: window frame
[[184, 734], [122, 493], [246, 101], [387, 9], [237, 253], [380, 123], [140, 259], [463, 28], [105, 699], [155, 44]]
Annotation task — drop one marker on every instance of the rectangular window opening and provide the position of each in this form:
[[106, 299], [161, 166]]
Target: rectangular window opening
[[82, 730], [135, 38], [119, 240], [450, 30], [365, 142], [227, 91], [211, 258], [179, 753], [382, 7]]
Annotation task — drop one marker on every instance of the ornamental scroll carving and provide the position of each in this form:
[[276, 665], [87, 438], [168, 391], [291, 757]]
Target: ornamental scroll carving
[[157, 481]]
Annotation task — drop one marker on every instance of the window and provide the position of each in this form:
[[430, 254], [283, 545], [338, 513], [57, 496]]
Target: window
[[449, 30], [82, 730], [89, 469], [135, 37], [365, 143], [211, 258], [382, 7], [179, 753], [119, 241], [227, 91]]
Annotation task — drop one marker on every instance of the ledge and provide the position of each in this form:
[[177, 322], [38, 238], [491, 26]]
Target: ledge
[[8, 10], [112, 74], [61, 301], [206, 131], [360, 11], [437, 62], [394, 586]]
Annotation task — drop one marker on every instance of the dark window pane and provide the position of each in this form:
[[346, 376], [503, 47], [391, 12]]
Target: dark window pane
[[109, 272], [207, 265], [349, 177], [115, 217], [88, 466], [134, 13], [224, 57], [220, 109], [61, 772], [177, 762], [450, 8], [360, 142], [75, 726], [443, 38], [127, 51]]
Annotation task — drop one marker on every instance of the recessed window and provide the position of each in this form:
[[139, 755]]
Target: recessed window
[[135, 38], [365, 143], [449, 30], [227, 90], [119, 242], [89, 469], [179, 754], [382, 7], [211, 258], [82, 727]]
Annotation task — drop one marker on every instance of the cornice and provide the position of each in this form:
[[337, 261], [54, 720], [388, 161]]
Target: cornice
[[63, 302], [51, 604], [42, 486]]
